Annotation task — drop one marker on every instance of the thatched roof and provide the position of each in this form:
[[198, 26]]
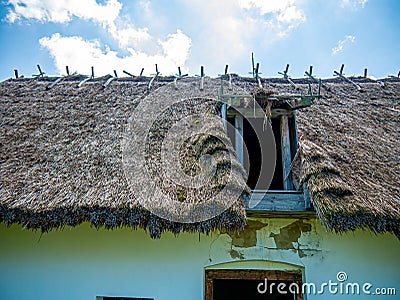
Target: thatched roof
[[62, 157], [62, 160]]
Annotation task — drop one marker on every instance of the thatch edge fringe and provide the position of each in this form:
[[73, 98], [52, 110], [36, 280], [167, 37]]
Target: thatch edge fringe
[[111, 218], [351, 221]]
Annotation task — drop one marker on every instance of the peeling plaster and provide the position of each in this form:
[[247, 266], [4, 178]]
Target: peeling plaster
[[236, 254], [288, 236], [248, 236], [287, 240]]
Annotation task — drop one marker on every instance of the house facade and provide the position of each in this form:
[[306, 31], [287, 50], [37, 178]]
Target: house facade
[[81, 218], [82, 262]]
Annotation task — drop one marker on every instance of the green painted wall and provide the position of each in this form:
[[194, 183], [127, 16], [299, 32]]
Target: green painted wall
[[82, 262]]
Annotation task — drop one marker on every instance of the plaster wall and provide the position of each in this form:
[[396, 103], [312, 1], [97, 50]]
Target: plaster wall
[[83, 262]]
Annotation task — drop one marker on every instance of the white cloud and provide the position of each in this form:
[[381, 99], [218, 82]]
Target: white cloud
[[129, 36], [176, 48], [266, 6], [284, 11], [170, 52], [228, 31], [354, 4], [348, 39], [282, 15], [145, 6], [62, 11], [80, 55], [222, 32], [291, 15], [225, 31]]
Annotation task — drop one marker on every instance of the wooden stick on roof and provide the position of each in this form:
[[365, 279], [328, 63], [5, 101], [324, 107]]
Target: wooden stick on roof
[[41, 73], [256, 75], [178, 76], [227, 75], [127, 73], [87, 79], [310, 76], [109, 80], [154, 77], [287, 77], [341, 75]]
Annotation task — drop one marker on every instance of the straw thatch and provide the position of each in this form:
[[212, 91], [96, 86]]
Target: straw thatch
[[61, 156], [350, 144]]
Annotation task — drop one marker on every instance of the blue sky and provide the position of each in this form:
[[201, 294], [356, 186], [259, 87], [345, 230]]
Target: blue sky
[[129, 35]]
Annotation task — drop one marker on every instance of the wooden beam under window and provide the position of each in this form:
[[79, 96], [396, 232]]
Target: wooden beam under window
[[277, 201]]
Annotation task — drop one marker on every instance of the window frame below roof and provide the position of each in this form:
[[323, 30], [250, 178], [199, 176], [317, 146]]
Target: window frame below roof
[[275, 202]]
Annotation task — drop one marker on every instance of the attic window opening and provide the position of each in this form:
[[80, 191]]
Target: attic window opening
[[284, 132]]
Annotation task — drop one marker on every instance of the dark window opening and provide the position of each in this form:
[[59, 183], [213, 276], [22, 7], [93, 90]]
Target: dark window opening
[[257, 180], [277, 180], [252, 160], [293, 135], [239, 289], [238, 284]]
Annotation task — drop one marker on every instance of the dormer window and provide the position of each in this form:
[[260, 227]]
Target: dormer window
[[253, 140], [268, 153], [283, 127]]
